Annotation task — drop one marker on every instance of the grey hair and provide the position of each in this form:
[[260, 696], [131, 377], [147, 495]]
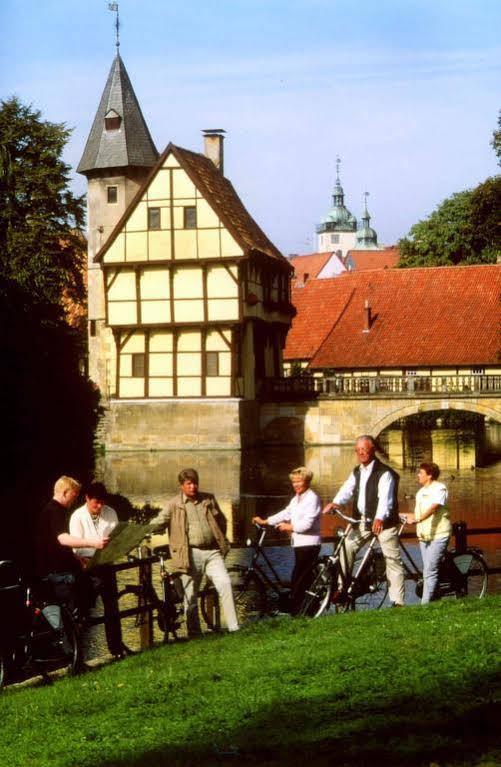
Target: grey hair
[[368, 438]]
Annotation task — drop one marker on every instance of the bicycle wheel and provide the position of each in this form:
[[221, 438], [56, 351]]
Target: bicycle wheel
[[470, 574], [55, 640], [317, 598], [370, 587], [248, 593]]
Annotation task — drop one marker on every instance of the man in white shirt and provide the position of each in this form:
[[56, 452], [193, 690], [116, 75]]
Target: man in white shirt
[[96, 519], [373, 487]]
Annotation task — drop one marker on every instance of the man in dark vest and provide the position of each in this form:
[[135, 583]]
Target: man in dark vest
[[373, 488]]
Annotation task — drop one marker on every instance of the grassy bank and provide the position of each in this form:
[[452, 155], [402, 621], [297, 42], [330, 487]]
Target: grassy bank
[[394, 687]]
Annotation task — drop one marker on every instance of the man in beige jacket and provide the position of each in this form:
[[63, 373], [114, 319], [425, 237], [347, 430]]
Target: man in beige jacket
[[197, 544]]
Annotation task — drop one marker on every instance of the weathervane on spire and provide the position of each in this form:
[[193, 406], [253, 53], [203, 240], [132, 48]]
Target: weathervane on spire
[[366, 194], [114, 7], [338, 163]]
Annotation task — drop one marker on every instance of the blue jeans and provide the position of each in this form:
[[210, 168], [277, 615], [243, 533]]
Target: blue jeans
[[431, 554]]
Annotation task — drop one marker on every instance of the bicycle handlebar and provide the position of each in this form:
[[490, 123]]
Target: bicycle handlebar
[[351, 520]]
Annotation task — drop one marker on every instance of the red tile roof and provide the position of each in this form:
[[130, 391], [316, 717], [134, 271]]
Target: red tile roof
[[311, 264], [319, 304], [374, 259], [421, 317]]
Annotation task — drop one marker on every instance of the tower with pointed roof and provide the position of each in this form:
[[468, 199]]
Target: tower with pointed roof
[[366, 235], [337, 231], [188, 298], [118, 156]]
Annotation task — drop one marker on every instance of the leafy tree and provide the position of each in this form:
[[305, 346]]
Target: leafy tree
[[464, 229], [40, 218], [496, 139], [48, 410]]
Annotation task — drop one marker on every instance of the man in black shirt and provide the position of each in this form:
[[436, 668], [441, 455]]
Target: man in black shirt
[[54, 547]]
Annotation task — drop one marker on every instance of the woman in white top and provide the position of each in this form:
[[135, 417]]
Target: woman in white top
[[301, 518], [433, 525]]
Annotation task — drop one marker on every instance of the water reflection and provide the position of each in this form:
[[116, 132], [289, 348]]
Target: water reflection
[[256, 482]]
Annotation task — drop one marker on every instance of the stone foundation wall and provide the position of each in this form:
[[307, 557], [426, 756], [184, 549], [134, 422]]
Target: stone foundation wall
[[232, 424], [173, 424]]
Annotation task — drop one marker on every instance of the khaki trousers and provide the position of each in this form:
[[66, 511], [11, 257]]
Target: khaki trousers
[[207, 562], [388, 540]]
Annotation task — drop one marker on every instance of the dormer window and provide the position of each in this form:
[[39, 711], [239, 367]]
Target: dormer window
[[112, 120]]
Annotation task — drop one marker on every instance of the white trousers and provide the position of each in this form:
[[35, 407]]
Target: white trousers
[[388, 540], [207, 562]]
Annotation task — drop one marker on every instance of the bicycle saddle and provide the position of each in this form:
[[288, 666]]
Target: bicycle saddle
[[162, 551]]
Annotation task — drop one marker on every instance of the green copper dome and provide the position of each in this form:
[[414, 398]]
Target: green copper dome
[[366, 235], [339, 218]]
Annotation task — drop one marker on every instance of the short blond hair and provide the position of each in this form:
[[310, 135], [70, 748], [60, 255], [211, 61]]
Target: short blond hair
[[66, 483], [301, 472]]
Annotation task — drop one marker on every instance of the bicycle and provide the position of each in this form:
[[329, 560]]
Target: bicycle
[[40, 635], [462, 572], [334, 590], [258, 590], [167, 607]]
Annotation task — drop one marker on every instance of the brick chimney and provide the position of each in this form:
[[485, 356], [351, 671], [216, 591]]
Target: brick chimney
[[367, 316], [213, 146]]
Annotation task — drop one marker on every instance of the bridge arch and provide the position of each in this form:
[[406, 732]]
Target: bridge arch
[[429, 405]]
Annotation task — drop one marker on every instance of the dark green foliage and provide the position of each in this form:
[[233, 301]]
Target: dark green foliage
[[40, 218], [48, 409], [464, 229], [485, 212]]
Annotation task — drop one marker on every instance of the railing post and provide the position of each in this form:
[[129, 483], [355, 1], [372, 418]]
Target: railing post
[[145, 575], [460, 532]]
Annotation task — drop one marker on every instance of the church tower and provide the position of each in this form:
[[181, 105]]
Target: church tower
[[366, 236], [117, 158], [337, 231]]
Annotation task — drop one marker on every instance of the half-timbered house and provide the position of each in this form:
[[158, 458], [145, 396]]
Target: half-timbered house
[[190, 299]]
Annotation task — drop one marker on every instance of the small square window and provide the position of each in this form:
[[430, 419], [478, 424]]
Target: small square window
[[335, 238], [112, 194], [138, 365], [190, 217], [153, 218], [212, 363]]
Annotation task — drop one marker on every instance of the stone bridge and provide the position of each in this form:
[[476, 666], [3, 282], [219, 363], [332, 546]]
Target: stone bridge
[[338, 419]]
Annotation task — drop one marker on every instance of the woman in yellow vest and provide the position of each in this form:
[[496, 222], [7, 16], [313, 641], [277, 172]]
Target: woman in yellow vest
[[433, 525]]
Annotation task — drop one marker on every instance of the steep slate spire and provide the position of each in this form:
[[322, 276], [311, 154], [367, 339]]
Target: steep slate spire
[[119, 136]]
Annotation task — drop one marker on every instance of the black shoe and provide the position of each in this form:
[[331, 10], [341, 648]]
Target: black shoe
[[124, 652]]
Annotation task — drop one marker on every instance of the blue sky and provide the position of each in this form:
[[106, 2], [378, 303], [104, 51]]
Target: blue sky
[[405, 91]]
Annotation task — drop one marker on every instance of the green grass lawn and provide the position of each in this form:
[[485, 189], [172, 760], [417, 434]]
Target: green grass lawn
[[419, 686]]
